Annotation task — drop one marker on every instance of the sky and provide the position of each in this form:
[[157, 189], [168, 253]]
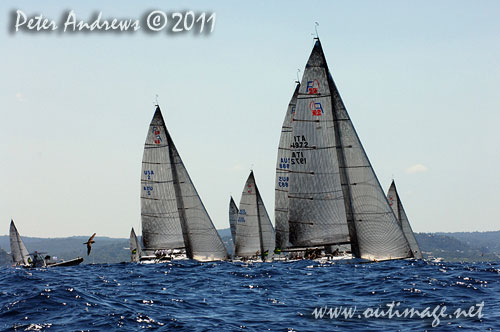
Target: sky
[[419, 79]]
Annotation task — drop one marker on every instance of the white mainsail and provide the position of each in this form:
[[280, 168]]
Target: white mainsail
[[20, 255], [161, 226], [316, 212], [399, 211], [173, 215], [283, 176], [135, 247], [254, 232]]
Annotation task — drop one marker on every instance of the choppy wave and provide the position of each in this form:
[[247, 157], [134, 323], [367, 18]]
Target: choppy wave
[[281, 296]]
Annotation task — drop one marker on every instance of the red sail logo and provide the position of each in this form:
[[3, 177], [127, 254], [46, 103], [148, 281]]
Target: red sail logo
[[316, 108], [312, 87], [156, 131]]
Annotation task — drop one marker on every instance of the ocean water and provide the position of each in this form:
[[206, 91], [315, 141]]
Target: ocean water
[[223, 296]]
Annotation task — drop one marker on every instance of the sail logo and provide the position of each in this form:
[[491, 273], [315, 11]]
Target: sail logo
[[316, 108], [391, 200], [312, 87], [249, 189], [156, 131], [293, 112], [149, 174]]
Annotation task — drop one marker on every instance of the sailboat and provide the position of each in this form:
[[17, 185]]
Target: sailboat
[[399, 211], [255, 236], [135, 247], [334, 198], [174, 219], [21, 256]]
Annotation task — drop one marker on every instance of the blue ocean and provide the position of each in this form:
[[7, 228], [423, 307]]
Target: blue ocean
[[280, 296]]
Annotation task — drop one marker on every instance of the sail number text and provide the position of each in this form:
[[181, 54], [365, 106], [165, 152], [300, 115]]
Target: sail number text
[[149, 174], [148, 190], [283, 182], [298, 158], [299, 141]]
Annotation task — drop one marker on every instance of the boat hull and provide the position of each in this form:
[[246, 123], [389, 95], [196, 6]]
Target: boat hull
[[71, 262]]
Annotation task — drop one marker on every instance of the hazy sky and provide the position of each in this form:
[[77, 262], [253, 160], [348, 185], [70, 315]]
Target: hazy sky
[[420, 81]]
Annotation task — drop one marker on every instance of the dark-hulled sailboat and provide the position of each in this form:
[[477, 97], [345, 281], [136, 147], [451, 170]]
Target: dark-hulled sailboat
[[255, 237], [172, 213], [21, 256], [334, 197], [399, 211]]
